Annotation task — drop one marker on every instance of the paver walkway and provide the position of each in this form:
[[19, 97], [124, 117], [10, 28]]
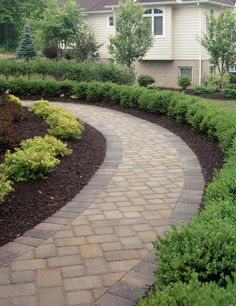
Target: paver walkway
[[97, 248]]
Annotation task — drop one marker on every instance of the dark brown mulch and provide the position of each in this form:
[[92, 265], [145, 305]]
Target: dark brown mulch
[[34, 201]]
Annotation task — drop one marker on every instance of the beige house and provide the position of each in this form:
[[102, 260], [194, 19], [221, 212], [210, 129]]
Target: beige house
[[176, 26]]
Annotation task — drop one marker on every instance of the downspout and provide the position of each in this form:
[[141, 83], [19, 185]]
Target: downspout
[[200, 46]]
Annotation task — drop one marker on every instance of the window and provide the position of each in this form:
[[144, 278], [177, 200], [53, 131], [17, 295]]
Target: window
[[212, 12], [212, 70], [157, 20], [186, 71], [232, 68], [111, 21]]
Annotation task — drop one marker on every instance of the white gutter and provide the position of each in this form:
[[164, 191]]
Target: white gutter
[[200, 46]]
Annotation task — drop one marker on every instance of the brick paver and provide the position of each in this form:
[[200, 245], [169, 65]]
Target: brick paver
[[98, 248]]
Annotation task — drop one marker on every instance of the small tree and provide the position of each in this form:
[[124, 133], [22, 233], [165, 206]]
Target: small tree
[[26, 49], [85, 46], [220, 40], [133, 33]]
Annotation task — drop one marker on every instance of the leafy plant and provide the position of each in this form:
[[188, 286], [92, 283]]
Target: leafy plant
[[5, 187], [145, 80], [184, 81]]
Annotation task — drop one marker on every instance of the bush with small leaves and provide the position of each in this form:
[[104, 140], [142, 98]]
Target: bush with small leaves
[[145, 80], [5, 187], [33, 159], [184, 81]]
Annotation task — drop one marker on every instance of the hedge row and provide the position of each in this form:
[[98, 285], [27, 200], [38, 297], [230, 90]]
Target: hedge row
[[71, 70], [197, 259]]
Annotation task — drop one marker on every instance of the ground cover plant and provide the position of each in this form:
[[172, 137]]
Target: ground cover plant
[[204, 250]]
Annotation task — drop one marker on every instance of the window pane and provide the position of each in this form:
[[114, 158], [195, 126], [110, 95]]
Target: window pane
[[157, 11], [148, 12], [158, 25], [186, 71], [111, 21]]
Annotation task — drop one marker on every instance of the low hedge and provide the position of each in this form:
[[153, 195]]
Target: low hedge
[[70, 70], [205, 248], [5, 187]]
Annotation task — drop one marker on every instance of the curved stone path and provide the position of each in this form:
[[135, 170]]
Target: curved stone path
[[97, 250]]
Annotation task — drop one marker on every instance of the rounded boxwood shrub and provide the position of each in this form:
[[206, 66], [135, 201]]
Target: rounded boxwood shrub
[[193, 293], [145, 80], [184, 81]]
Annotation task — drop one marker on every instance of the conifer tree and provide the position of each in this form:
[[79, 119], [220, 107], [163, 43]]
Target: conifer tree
[[26, 49]]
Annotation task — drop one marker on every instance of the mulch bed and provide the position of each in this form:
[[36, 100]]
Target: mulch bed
[[34, 201]]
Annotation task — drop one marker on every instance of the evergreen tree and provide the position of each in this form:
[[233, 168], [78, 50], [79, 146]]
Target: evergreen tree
[[26, 49]]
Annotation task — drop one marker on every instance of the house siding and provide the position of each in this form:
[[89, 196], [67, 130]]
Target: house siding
[[98, 24]]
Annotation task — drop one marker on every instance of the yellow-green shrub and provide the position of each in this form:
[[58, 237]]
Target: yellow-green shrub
[[33, 159], [5, 187]]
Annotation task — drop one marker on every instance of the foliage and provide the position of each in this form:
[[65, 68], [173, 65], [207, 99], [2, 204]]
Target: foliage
[[230, 93], [11, 111], [62, 124], [145, 80], [63, 69], [85, 46], [26, 49], [219, 40], [192, 293], [58, 24], [133, 34], [201, 89], [232, 78], [5, 187], [184, 81], [33, 159]]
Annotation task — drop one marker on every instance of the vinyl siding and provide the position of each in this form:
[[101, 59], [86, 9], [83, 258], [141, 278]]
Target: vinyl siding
[[185, 32], [162, 47], [99, 26]]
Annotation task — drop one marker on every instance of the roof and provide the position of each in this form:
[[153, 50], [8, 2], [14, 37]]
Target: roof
[[103, 5]]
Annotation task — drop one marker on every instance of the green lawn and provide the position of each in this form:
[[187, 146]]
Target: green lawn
[[226, 104]]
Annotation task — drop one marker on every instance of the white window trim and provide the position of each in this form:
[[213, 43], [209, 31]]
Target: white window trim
[[108, 21], [152, 15], [232, 70], [186, 67]]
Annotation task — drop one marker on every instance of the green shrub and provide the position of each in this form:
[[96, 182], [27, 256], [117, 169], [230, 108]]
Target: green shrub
[[193, 293], [33, 159], [5, 187], [184, 81], [129, 96], [95, 92], [201, 89], [71, 70], [64, 125], [206, 249], [145, 80], [232, 78], [230, 93]]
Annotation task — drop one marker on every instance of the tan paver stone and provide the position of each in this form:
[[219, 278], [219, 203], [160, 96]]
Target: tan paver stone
[[79, 297], [111, 278], [32, 264], [49, 278], [22, 277], [90, 250], [72, 271], [52, 296], [23, 301], [83, 283], [46, 251], [83, 230]]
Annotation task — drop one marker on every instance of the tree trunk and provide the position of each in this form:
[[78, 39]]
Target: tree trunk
[[222, 81]]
